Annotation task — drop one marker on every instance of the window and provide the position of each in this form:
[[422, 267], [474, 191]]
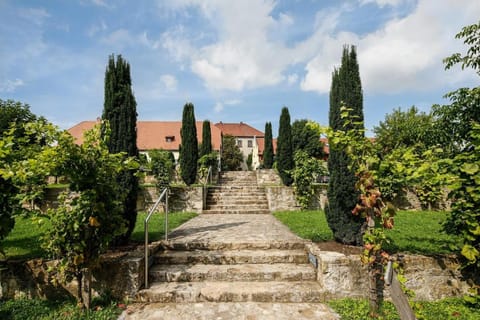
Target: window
[[169, 138], [239, 143], [250, 143]]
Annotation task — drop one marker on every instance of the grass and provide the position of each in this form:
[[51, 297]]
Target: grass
[[33, 309], [414, 231], [452, 308], [156, 225], [25, 239], [24, 242], [310, 225]]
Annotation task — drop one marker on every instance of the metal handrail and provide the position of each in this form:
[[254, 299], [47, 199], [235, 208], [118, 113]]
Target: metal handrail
[[208, 180], [150, 212]]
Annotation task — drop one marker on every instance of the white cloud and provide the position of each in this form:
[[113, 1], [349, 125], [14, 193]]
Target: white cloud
[[233, 102], [10, 85], [292, 79], [35, 15], [119, 38], [96, 28], [169, 81], [218, 107], [405, 54], [383, 3]]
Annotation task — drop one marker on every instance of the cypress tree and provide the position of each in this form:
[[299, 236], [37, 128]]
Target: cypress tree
[[284, 148], [189, 149], [206, 146], [268, 151], [120, 109], [346, 89]]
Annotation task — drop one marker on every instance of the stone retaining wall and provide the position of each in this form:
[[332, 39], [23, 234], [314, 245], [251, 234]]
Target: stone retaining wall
[[121, 274], [431, 278]]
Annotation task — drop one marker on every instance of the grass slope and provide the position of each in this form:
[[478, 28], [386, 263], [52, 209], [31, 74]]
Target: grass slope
[[414, 231]]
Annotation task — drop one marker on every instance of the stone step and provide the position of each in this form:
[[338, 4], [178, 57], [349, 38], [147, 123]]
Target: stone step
[[237, 272], [249, 189], [231, 257], [240, 196], [222, 246], [237, 211], [238, 201], [270, 291], [237, 206], [231, 311]]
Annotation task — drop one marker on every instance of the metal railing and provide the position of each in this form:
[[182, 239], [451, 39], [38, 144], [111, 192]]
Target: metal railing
[[150, 212], [208, 180]]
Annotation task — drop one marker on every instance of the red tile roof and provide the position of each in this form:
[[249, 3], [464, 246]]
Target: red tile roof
[[155, 134], [261, 145], [238, 129]]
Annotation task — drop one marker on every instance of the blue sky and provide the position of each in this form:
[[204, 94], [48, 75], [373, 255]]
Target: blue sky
[[235, 60]]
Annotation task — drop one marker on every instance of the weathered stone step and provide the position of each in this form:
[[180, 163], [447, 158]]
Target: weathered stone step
[[231, 256], [222, 246], [237, 272], [269, 291], [239, 201], [240, 196], [231, 311], [237, 206], [237, 211]]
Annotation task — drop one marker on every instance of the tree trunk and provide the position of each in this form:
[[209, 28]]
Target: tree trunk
[[79, 277]]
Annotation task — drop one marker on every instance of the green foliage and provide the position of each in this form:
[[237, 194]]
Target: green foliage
[[232, 157], [310, 225], [16, 114], [471, 36], [36, 309], [465, 214], [249, 161], [189, 148], [206, 145], [18, 146], [268, 150], [207, 161], [305, 173], [162, 164], [89, 215], [120, 110], [306, 138], [346, 89], [404, 129], [284, 157]]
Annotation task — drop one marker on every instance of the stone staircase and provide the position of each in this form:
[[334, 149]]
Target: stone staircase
[[234, 266], [237, 193], [251, 272]]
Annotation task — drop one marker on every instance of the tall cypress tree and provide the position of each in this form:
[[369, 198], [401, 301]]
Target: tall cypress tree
[[120, 109], [346, 89], [189, 148], [206, 146], [284, 148], [268, 151]]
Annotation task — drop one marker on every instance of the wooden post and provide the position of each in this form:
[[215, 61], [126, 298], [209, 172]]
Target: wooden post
[[399, 298]]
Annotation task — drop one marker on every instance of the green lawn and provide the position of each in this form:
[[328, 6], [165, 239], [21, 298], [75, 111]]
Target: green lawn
[[451, 308], [156, 225], [414, 231], [25, 239]]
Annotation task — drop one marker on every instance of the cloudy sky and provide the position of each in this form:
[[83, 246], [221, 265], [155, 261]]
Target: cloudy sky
[[236, 60]]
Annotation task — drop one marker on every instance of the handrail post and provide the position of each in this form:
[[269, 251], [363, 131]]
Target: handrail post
[[146, 253], [166, 216], [150, 212]]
